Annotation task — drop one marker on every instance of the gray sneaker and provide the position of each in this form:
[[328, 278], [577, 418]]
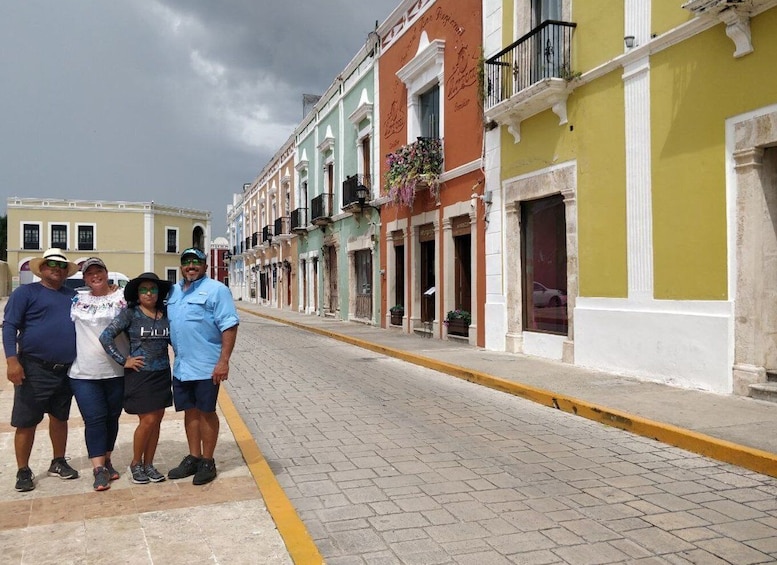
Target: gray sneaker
[[153, 475], [139, 476]]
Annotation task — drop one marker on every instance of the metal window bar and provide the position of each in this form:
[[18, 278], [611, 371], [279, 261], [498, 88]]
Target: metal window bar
[[544, 52]]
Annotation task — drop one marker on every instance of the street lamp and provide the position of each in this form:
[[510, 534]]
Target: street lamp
[[362, 192]]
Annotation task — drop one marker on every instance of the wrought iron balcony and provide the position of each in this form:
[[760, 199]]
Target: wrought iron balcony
[[247, 244], [545, 52], [255, 239], [299, 220], [321, 209], [350, 185], [281, 226], [267, 234]]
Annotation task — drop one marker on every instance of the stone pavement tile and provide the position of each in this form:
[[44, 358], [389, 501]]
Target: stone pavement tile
[[657, 541], [733, 551], [490, 557], [695, 534], [734, 510], [675, 520], [744, 530], [591, 554], [590, 530]]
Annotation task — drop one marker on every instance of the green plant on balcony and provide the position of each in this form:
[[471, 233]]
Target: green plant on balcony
[[397, 309], [413, 165]]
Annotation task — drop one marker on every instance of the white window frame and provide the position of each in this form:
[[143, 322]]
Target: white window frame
[[21, 234], [421, 73], [50, 231], [171, 271]]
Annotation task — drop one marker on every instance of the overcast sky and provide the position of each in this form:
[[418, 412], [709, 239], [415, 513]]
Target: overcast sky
[[176, 101]]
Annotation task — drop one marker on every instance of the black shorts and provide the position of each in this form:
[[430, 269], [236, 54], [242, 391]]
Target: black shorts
[[44, 390], [147, 391], [201, 395]]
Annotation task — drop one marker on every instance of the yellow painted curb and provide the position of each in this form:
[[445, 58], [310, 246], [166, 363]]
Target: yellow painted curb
[[300, 545], [743, 456]]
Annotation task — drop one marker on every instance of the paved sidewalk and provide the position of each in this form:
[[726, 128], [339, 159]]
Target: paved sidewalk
[[729, 428]]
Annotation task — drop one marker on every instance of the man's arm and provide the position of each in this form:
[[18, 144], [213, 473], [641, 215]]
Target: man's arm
[[12, 321], [221, 370]]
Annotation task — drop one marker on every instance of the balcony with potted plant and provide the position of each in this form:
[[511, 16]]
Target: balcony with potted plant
[[412, 167]]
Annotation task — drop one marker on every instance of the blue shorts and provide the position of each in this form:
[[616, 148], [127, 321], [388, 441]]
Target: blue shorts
[[201, 395], [44, 390]]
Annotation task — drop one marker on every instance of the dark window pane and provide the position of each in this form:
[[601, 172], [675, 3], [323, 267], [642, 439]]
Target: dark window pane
[[86, 238], [171, 247], [31, 236], [544, 259], [430, 112]]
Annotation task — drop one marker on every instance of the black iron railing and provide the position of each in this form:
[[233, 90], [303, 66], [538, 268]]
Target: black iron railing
[[255, 239], [247, 244], [281, 226], [266, 233], [299, 219], [321, 208], [544, 52], [350, 186]]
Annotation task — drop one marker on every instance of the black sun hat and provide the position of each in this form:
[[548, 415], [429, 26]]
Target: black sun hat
[[131, 290]]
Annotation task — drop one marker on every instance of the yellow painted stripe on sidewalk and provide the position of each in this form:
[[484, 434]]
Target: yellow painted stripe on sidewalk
[[741, 455], [302, 549]]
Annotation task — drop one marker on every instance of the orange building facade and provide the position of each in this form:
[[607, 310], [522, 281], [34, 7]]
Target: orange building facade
[[431, 141]]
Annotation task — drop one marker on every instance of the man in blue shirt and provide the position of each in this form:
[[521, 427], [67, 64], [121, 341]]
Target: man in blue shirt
[[39, 341], [203, 329]]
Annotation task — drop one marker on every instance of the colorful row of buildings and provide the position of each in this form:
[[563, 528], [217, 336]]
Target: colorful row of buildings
[[590, 182]]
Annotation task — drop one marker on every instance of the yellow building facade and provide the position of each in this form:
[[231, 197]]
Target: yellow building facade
[[649, 126], [131, 237]]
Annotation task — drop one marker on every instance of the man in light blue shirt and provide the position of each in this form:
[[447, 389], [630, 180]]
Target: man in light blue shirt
[[203, 329]]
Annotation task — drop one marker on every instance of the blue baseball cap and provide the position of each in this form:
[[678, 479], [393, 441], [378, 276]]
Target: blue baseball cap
[[199, 253]]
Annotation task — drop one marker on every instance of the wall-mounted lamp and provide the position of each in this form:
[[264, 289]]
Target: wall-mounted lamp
[[630, 41], [362, 193]]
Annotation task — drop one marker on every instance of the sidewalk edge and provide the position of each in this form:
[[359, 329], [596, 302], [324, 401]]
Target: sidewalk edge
[[750, 458], [302, 549]]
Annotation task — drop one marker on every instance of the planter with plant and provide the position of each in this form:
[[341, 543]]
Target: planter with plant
[[458, 322], [413, 166], [396, 314]]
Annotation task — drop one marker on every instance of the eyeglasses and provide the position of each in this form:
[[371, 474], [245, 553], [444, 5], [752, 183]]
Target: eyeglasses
[[56, 264], [187, 262], [152, 290]]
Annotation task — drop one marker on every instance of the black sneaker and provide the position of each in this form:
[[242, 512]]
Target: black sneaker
[[206, 472], [139, 476], [60, 468], [102, 479], [24, 480], [153, 475], [186, 468]]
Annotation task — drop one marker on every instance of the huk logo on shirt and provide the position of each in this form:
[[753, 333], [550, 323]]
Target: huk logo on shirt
[[146, 333]]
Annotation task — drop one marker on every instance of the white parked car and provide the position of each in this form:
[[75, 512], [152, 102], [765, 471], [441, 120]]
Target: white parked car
[[544, 296]]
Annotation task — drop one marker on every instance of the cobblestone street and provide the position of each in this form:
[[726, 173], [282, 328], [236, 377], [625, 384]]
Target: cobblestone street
[[388, 462]]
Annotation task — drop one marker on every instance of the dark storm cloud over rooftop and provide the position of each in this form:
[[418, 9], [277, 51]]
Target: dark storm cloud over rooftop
[[176, 101]]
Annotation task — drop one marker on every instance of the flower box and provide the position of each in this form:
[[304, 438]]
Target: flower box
[[458, 327]]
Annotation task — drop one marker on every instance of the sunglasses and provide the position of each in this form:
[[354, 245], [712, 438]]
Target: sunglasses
[[152, 290], [187, 262], [56, 264]]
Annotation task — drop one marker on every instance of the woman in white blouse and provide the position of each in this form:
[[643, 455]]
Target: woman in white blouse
[[96, 379]]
